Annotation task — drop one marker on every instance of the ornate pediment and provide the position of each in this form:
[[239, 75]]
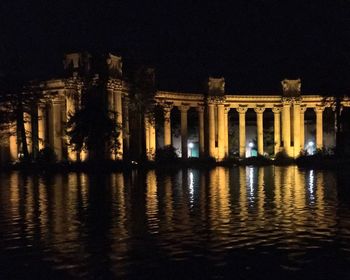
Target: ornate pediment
[[216, 86], [291, 88]]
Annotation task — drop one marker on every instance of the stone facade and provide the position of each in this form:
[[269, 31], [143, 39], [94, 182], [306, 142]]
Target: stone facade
[[212, 108]]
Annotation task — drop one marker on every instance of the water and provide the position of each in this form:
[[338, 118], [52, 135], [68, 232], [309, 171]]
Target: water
[[238, 223]]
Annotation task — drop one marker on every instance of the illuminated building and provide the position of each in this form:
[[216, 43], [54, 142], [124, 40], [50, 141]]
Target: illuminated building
[[212, 107]]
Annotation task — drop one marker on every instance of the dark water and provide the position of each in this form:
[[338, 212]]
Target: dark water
[[239, 223]]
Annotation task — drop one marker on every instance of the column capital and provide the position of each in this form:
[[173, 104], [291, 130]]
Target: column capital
[[167, 106], [302, 109], [277, 109], [184, 108], [216, 99], [319, 109], [297, 101], [227, 109], [200, 109], [242, 109], [286, 101], [259, 109]]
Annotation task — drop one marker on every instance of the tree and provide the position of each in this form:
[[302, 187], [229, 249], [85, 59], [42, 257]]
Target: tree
[[141, 103], [19, 99], [92, 127]]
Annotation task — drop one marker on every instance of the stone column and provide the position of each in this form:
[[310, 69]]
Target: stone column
[[221, 131], [13, 142], [296, 128], [260, 128], [242, 138], [211, 116], [42, 126], [277, 128], [152, 139], [167, 126], [126, 128], [184, 148], [227, 109], [119, 121], [286, 126], [147, 140], [200, 111], [319, 126], [55, 124], [28, 129], [302, 126]]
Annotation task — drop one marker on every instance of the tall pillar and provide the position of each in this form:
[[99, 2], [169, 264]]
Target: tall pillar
[[211, 116], [242, 138], [13, 142], [200, 111], [56, 128], [126, 127], [319, 126], [286, 126], [152, 139], [42, 126], [277, 128], [167, 126], [184, 148], [227, 109], [119, 121], [296, 128], [302, 126], [260, 128], [28, 129], [147, 140], [221, 131]]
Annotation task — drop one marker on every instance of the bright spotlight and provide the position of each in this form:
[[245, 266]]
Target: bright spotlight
[[311, 143], [191, 145], [251, 144]]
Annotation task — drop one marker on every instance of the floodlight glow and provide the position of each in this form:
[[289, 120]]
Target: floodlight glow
[[251, 144], [190, 145], [311, 143]]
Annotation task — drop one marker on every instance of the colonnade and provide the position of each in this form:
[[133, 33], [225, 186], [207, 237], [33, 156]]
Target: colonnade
[[213, 124]]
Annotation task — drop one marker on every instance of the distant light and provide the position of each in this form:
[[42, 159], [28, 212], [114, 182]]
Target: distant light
[[311, 143], [191, 145], [251, 144]]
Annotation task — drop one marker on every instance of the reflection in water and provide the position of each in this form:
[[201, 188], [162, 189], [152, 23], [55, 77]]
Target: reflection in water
[[132, 224]]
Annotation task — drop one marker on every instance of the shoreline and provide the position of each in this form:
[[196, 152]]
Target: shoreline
[[307, 162]]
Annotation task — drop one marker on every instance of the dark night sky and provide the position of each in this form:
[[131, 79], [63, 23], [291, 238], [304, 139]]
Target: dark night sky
[[252, 43]]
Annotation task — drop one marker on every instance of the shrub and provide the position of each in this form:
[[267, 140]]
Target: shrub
[[166, 154]]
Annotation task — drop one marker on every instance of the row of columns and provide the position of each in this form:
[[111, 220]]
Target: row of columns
[[291, 141]]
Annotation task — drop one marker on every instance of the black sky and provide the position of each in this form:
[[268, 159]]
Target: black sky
[[252, 43]]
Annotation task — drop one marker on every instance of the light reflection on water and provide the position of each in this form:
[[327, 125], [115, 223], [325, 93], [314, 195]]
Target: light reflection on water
[[203, 224]]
